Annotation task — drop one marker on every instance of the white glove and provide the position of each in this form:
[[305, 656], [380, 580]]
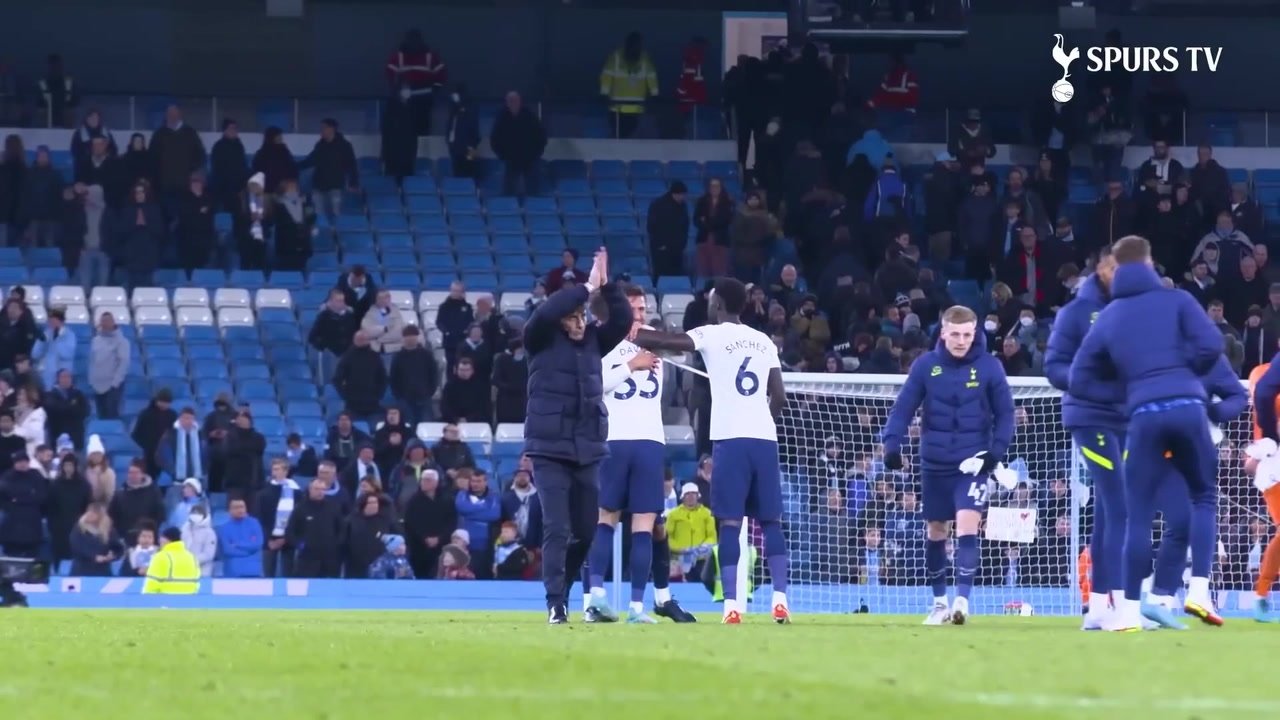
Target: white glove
[[1006, 477], [1215, 434], [1262, 449], [973, 465], [1267, 475]]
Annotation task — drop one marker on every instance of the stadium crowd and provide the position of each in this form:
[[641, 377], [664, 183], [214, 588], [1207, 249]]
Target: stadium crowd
[[850, 255]]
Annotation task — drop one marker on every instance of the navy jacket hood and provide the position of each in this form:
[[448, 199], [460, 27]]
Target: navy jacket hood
[[1134, 279]]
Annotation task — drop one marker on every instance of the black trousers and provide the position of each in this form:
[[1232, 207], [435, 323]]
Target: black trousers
[[570, 496]]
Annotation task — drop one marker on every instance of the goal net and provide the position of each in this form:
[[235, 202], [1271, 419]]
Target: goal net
[[856, 533]]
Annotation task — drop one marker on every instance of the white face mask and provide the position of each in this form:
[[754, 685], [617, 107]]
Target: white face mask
[[1025, 321], [990, 326]]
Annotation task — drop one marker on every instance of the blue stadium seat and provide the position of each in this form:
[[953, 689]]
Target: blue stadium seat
[[684, 170], [395, 241], [391, 223], [502, 206], [378, 184], [510, 245], [646, 169], [1266, 176], [379, 204], [506, 223], [403, 280], [541, 206], [462, 204], [723, 169], [44, 257], [648, 189], [511, 264], [482, 281], [578, 206], [399, 260], [468, 223], [568, 169], [361, 241], [242, 351], [547, 243], [546, 224], [431, 223], [302, 408], [312, 430], [288, 280], [242, 370], [669, 284], [611, 169], [573, 188], [207, 278], [267, 424], [438, 280], [581, 225], [425, 204], [619, 225], [11, 256], [432, 261], [475, 264], [165, 367], [617, 207], [613, 188], [251, 390], [200, 333], [281, 333], [419, 185], [458, 186], [162, 351], [248, 279], [464, 244], [351, 223]]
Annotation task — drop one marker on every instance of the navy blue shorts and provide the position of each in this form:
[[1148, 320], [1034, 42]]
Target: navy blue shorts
[[631, 477], [947, 492], [747, 480]]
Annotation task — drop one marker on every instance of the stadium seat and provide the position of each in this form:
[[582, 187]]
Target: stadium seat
[[674, 302], [149, 297], [153, 315], [77, 314], [272, 298], [235, 316], [66, 296], [230, 298], [119, 312], [431, 299], [194, 315], [190, 297], [106, 295]]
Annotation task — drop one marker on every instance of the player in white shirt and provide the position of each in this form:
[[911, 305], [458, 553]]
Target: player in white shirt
[[744, 432], [631, 479]]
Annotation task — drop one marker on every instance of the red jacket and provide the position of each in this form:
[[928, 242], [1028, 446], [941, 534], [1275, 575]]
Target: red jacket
[[691, 90], [420, 72], [898, 90]]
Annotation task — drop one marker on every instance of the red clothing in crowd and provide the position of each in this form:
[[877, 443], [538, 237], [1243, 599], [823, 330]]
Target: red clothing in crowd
[[691, 90], [898, 90], [421, 72]]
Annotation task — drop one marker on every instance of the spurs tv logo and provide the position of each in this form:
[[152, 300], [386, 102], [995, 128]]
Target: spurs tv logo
[[1129, 59]]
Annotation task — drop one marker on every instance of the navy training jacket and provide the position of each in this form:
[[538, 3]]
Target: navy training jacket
[[1223, 383], [1155, 341], [1100, 403], [566, 419], [966, 402]]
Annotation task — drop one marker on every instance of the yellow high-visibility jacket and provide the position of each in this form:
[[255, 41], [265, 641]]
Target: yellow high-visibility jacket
[[173, 571], [628, 85]]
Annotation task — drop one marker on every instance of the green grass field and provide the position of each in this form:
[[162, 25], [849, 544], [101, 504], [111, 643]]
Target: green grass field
[[240, 665]]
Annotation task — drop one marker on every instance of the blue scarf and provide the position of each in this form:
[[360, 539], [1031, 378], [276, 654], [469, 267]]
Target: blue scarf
[[284, 508], [180, 440]]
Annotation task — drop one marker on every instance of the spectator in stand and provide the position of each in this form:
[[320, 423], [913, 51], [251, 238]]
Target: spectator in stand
[[668, 230], [1260, 342], [58, 95], [476, 349], [751, 236], [192, 494], [1210, 185], [362, 467], [40, 201], [359, 290], [1030, 269], [245, 448], [1110, 129], [568, 271], [628, 79], [978, 230], [365, 533], [24, 495], [713, 214], [399, 147], [971, 142], [811, 330], [67, 409], [414, 377], [1161, 172], [1055, 126], [478, 509], [12, 171], [789, 290], [1031, 206], [240, 542], [510, 379], [361, 379], [56, 350], [1245, 291], [451, 453], [1165, 111], [455, 560], [138, 163], [140, 237], [463, 135], [1245, 213], [94, 544], [86, 232], [82, 142], [1271, 310], [102, 167], [518, 139], [315, 529], [899, 92], [109, 358], [430, 517], [273, 507], [466, 396], [389, 444], [691, 86], [1168, 232], [137, 502], [295, 220], [384, 326], [1007, 307], [333, 329], [182, 453], [1113, 216], [336, 170], [274, 160], [69, 497], [403, 479], [343, 440], [520, 505], [886, 196], [199, 537], [416, 73], [230, 165], [1230, 241], [150, 427], [10, 442], [691, 531], [453, 317], [252, 224], [494, 327], [944, 188], [179, 151], [196, 225], [1015, 359], [303, 461]]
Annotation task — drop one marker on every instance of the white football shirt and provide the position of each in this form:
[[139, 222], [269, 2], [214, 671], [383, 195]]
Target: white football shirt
[[738, 360], [635, 403]]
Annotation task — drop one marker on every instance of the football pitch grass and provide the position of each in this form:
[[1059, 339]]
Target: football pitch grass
[[237, 665]]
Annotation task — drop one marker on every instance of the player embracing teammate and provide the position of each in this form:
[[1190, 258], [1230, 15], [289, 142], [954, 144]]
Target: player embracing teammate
[[966, 427]]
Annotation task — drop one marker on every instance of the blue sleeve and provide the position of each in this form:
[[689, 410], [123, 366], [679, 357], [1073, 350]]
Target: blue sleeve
[[1264, 399], [618, 326], [1091, 360], [1223, 382], [544, 323], [490, 511], [904, 408], [1064, 341], [1204, 341], [1000, 400]]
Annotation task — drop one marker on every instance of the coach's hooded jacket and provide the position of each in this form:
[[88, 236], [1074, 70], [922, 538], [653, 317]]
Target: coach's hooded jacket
[[1155, 341], [566, 418], [1100, 403], [966, 407]]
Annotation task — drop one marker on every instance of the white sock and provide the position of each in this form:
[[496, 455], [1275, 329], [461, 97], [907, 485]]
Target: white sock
[[1130, 613], [1198, 590], [1098, 604], [961, 604], [1117, 597], [730, 606], [779, 598], [941, 600], [1147, 584], [598, 593], [637, 607], [1162, 600], [661, 596], [586, 601]]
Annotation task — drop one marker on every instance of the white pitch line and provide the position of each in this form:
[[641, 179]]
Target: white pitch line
[[1068, 702]]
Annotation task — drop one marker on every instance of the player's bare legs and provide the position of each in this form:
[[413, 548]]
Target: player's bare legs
[[935, 558], [967, 522], [597, 609]]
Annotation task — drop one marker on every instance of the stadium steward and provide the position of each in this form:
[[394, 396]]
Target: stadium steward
[[966, 428], [1096, 420], [173, 570], [1158, 343], [567, 426]]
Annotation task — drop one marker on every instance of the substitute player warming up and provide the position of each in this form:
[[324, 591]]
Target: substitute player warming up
[[631, 478], [966, 427], [745, 435]]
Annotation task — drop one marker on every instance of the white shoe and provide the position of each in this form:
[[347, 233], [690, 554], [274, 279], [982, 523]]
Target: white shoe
[[1095, 621], [940, 614], [960, 611]]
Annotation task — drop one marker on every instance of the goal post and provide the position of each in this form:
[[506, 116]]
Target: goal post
[[856, 535]]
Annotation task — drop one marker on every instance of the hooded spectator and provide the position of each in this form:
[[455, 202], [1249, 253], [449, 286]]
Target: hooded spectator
[[274, 160], [196, 225], [971, 142], [199, 538], [252, 223], [66, 410], [667, 225], [87, 233], [138, 501], [518, 139], [336, 170], [245, 448], [463, 134], [315, 528], [140, 237], [414, 377], [1230, 241], [510, 381], [179, 151], [230, 166], [366, 530], [402, 480], [343, 441], [466, 395], [430, 517], [137, 164], [151, 425], [109, 359], [455, 560], [240, 542], [359, 290], [98, 471], [361, 379], [40, 201], [214, 430], [453, 317], [69, 497], [93, 543]]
